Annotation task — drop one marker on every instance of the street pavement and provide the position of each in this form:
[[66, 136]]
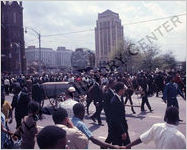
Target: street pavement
[[137, 123]]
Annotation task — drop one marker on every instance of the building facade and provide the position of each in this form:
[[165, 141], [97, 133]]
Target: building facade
[[13, 58], [50, 58], [108, 35], [82, 59], [63, 57], [47, 56]]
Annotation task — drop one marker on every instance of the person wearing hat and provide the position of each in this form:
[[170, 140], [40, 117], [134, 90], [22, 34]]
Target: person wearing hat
[[69, 101]]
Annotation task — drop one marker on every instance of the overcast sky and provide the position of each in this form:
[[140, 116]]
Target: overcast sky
[[54, 17]]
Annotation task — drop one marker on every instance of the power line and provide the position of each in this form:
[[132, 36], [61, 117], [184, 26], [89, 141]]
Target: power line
[[154, 19], [67, 33], [31, 41], [144, 21]]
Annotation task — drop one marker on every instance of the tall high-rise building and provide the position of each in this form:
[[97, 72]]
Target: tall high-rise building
[[108, 35], [13, 58]]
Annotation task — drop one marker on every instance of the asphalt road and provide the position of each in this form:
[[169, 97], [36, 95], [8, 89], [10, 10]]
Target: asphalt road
[[138, 123]]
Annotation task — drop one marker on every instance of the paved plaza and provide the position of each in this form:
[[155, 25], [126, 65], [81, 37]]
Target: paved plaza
[[138, 123]]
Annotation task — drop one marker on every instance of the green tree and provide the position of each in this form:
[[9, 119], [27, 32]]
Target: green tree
[[131, 58], [168, 61], [150, 58]]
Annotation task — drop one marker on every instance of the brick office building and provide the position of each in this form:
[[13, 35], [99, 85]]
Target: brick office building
[[13, 58]]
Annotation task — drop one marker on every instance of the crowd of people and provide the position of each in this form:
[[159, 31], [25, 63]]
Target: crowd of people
[[109, 91]]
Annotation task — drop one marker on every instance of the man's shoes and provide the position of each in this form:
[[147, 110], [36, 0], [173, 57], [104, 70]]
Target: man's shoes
[[93, 119], [180, 120], [151, 110], [134, 112]]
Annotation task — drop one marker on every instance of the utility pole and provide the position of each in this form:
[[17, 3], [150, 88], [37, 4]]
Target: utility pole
[[39, 37]]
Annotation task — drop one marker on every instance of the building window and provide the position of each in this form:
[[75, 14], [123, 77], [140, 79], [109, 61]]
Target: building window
[[14, 17]]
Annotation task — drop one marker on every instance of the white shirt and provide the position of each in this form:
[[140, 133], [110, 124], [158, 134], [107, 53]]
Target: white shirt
[[7, 82], [71, 79], [68, 105], [119, 97], [76, 139], [165, 136], [112, 90]]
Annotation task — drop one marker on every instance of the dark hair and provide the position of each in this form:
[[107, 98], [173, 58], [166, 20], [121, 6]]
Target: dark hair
[[78, 108], [118, 86], [69, 93], [171, 115], [111, 81], [59, 115], [97, 78], [170, 77], [33, 107], [48, 137], [16, 89]]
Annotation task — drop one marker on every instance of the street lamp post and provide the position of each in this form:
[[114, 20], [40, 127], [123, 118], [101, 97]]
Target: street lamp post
[[39, 40]]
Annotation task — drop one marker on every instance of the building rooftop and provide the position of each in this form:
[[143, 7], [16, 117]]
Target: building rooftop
[[107, 13]]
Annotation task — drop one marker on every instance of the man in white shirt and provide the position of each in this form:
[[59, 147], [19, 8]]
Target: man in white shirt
[[164, 135], [77, 139], [71, 78], [7, 86], [69, 102]]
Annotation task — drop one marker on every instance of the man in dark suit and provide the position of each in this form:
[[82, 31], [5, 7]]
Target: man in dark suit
[[119, 125], [129, 92], [145, 88], [37, 92], [108, 95], [97, 95]]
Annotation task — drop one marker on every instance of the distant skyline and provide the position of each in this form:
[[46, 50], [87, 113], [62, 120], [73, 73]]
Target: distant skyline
[[55, 17]]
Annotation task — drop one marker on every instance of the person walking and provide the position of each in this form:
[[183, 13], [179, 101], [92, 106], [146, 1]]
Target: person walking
[[97, 96], [128, 95], [171, 91], [108, 95], [37, 92], [119, 126], [145, 89]]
